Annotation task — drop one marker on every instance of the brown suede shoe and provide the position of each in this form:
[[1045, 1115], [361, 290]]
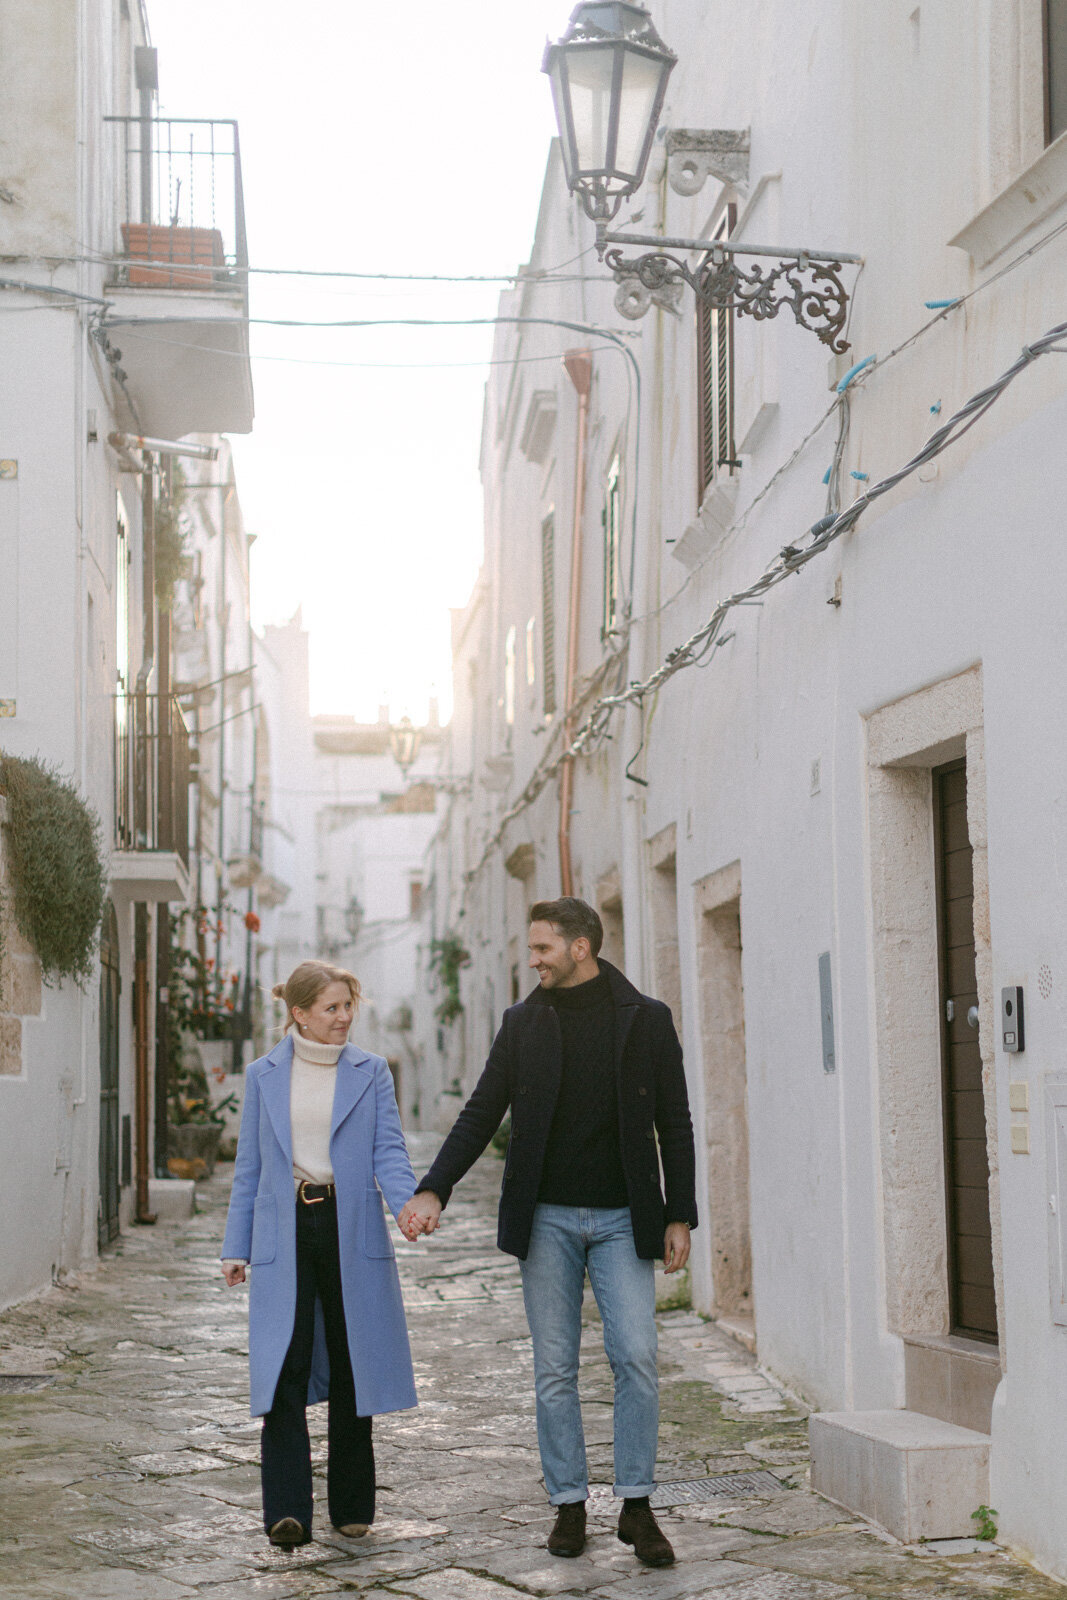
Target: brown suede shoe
[[288, 1533], [637, 1526], [568, 1536]]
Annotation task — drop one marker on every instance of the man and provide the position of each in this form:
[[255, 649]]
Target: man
[[592, 1071]]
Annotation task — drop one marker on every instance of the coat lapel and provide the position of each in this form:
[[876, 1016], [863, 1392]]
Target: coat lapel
[[541, 1053], [354, 1078], [274, 1087], [624, 1021]]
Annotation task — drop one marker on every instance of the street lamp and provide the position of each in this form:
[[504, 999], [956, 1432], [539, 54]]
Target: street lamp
[[404, 739], [353, 918], [609, 76]]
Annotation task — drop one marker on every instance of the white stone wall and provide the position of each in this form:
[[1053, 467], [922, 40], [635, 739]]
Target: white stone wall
[[883, 131]]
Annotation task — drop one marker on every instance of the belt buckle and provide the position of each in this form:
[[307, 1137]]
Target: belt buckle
[[317, 1201]]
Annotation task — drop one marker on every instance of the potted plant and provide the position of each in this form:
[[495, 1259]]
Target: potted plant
[[194, 1122], [201, 1013]]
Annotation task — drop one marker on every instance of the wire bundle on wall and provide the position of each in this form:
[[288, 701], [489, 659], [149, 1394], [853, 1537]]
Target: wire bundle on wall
[[695, 650]]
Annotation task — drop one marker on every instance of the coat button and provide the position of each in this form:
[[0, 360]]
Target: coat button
[[642, 1089], [651, 1134], [522, 1088], [652, 1178]]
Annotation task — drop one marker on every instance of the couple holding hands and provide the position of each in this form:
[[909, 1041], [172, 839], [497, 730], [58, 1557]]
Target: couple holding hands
[[592, 1073]]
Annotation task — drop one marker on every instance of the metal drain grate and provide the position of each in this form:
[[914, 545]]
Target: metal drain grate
[[23, 1382], [693, 1491]]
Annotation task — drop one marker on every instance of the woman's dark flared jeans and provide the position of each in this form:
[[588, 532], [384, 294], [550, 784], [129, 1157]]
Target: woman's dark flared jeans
[[286, 1448]]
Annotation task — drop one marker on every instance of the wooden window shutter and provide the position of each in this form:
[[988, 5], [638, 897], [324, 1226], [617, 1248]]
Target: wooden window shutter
[[1055, 26], [715, 385]]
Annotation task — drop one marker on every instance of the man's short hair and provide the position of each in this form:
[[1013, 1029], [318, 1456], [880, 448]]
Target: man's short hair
[[573, 918]]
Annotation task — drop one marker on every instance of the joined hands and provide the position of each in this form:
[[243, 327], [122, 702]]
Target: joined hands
[[422, 1214]]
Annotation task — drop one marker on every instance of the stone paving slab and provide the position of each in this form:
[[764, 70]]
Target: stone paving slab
[[134, 1474]]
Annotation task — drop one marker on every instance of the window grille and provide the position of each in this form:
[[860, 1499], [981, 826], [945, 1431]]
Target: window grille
[[612, 518], [715, 385], [548, 614]]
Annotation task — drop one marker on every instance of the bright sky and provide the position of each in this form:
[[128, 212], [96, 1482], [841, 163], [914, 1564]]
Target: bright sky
[[396, 138]]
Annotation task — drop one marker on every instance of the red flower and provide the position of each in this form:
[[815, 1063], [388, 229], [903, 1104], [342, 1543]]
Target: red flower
[[252, 922], [210, 962], [229, 1005]]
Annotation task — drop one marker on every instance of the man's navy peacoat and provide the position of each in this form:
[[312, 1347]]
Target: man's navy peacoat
[[523, 1072]]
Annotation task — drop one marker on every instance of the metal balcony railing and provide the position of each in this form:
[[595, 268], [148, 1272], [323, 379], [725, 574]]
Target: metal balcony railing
[[181, 217], [151, 774]]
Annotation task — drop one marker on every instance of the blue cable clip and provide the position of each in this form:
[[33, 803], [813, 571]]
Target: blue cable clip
[[861, 477], [826, 475], [936, 408], [942, 305], [854, 372]]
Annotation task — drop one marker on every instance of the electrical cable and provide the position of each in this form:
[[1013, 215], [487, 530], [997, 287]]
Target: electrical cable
[[790, 560]]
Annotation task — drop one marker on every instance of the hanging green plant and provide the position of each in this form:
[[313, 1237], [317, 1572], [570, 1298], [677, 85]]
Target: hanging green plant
[[447, 958], [172, 555], [56, 867]]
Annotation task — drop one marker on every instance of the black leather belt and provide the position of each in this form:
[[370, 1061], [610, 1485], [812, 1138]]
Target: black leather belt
[[313, 1194]]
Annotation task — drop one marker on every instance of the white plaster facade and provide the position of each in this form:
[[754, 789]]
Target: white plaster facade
[[71, 520], [785, 807]]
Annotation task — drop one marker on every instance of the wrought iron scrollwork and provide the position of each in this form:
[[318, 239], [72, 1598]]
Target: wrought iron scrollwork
[[812, 290]]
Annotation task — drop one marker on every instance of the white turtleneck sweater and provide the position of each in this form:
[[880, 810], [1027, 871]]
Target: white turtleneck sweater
[[312, 1085], [314, 1079]]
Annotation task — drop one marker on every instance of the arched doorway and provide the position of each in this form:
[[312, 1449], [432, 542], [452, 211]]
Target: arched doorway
[[110, 987]]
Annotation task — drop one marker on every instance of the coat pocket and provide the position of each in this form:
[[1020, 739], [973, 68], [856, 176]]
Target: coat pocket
[[376, 1240], [264, 1230]]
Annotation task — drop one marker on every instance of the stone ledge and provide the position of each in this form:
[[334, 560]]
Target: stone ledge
[[172, 1199], [915, 1476]]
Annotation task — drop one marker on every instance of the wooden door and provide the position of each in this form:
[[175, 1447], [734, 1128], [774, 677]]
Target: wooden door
[[970, 1250], [110, 983]]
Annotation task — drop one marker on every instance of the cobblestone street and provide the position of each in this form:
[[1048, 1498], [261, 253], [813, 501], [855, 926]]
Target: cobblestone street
[[130, 1461]]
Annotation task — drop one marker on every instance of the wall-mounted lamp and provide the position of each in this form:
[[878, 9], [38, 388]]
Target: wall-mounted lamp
[[404, 741], [609, 76]]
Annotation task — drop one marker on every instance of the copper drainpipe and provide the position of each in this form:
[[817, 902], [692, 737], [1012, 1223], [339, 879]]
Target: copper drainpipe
[[579, 367]]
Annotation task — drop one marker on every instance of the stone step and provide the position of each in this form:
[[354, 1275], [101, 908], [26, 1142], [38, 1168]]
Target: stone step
[[916, 1476], [172, 1199]]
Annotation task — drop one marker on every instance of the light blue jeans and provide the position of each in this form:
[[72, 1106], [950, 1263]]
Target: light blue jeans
[[566, 1241]]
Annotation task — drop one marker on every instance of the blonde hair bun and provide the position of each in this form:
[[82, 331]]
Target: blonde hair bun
[[307, 981]]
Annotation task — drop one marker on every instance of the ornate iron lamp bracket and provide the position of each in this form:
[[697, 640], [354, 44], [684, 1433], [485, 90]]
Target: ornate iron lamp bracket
[[807, 282]]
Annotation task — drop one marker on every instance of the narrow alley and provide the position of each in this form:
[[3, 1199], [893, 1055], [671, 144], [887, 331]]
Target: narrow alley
[[129, 1459]]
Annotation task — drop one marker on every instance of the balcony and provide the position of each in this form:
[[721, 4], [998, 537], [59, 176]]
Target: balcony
[[150, 861], [179, 284]]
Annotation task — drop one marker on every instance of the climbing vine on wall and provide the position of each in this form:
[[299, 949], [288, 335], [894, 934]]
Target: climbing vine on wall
[[172, 556], [56, 868], [447, 958]]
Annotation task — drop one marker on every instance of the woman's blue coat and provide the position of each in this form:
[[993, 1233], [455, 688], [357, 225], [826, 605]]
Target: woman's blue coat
[[366, 1144]]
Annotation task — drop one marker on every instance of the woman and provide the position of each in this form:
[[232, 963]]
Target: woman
[[319, 1126]]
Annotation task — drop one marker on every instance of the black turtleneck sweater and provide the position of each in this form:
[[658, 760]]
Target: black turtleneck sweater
[[583, 1162]]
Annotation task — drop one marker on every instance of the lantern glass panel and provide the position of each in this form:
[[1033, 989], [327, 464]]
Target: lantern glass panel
[[642, 77], [590, 72]]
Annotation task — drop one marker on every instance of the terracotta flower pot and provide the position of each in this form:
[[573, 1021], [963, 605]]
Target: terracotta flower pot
[[192, 1143]]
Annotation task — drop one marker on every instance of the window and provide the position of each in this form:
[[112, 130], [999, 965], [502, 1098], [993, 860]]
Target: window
[[415, 897], [509, 677], [531, 657], [715, 385], [548, 614], [1055, 18], [612, 518]]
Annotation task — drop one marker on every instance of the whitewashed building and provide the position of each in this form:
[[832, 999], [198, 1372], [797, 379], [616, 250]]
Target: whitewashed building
[[124, 314], [834, 840]]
